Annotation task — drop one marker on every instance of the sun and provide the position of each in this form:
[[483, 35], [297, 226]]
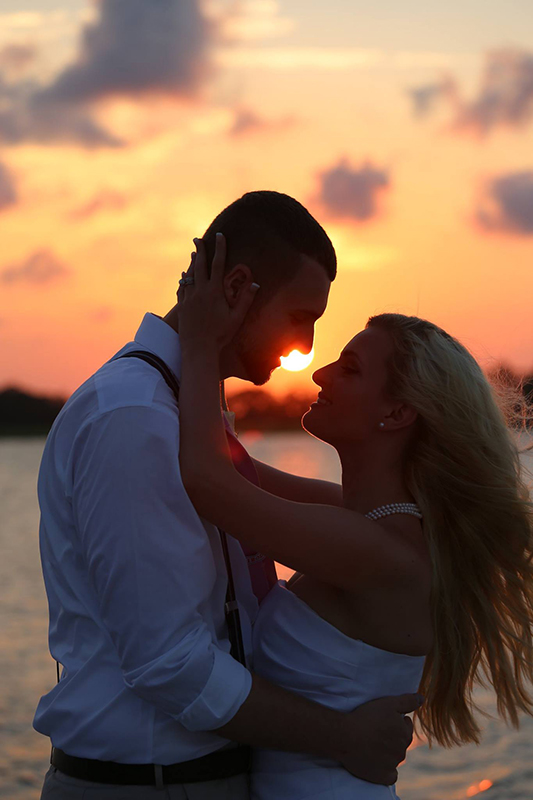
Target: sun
[[296, 361]]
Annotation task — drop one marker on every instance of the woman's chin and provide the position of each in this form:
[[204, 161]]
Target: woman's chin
[[314, 426]]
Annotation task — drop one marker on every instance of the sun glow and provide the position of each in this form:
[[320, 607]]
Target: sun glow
[[296, 361]]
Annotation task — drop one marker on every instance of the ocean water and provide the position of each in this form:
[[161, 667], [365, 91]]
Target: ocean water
[[501, 768]]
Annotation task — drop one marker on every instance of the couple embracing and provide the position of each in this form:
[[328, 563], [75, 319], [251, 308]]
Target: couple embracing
[[188, 669]]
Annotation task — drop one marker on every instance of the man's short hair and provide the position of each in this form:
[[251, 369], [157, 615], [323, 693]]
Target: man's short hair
[[270, 232]]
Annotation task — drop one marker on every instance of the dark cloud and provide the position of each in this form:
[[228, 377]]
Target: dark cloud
[[247, 121], [106, 200], [8, 192], [25, 115], [348, 192], [39, 268], [504, 97], [136, 47], [508, 204]]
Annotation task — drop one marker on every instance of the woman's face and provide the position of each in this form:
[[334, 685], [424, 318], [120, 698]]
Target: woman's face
[[352, 401]]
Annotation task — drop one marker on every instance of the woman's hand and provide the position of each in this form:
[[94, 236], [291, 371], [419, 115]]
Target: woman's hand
[[204, 315]]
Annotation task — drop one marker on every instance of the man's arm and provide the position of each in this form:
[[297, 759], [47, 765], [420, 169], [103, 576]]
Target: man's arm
[[297, 488], [150, 563], [370, 741]]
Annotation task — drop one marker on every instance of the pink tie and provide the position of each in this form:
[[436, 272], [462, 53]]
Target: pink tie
[[262, 569]]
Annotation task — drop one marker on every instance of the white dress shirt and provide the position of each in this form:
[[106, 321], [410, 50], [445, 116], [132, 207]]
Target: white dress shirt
[[136, 581]]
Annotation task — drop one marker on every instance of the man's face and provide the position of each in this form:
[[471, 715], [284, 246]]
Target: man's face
[[286, 322]]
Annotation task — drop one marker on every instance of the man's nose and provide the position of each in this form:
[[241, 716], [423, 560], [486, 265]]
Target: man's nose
[[305, 342]]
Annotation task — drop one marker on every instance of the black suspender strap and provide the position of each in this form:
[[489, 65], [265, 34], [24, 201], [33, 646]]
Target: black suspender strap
[[159, 364], [231, 608]]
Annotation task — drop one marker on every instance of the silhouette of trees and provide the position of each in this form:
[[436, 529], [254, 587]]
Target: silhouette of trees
[[259, 410], [24, 414]]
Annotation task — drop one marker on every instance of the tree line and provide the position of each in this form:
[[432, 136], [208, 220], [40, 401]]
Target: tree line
[[26, 414]]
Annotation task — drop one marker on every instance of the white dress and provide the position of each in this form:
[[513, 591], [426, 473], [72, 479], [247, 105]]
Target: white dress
[[300, 651]]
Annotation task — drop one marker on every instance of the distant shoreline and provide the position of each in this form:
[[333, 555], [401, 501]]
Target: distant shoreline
[[24, 415]]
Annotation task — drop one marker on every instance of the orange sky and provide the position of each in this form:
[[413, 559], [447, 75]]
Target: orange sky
[[114, 225]]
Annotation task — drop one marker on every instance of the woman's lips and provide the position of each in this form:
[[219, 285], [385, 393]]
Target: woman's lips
[[322, 401]]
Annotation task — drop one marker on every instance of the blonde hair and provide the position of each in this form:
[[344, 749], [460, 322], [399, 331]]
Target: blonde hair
[[463, 470]]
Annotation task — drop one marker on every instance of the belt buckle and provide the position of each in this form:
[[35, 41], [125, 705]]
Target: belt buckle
[[158, 775]]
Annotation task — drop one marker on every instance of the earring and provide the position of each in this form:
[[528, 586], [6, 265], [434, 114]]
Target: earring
[[381, 424]]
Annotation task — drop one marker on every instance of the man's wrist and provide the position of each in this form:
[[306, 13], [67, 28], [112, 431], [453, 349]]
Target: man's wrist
[[342, 738]]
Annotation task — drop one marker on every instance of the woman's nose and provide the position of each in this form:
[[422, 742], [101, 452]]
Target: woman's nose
[[320, 375]]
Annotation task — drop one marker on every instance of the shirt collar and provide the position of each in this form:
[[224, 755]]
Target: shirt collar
[[156, 336]]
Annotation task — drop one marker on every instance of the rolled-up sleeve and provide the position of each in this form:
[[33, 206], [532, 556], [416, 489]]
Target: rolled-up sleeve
[[151, 566]]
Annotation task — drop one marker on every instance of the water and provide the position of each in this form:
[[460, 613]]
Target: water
[[27, 670]]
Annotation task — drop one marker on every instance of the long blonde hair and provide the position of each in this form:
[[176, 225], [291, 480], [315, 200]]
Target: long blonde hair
[[463, 470]]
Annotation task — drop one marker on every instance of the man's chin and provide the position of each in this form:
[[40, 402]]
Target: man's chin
[[258, 374], [260, 377]]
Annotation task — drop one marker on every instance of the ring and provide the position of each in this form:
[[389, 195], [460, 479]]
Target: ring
[[187, 280]]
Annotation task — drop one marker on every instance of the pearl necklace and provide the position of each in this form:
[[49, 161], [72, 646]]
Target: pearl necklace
[[394, 508]]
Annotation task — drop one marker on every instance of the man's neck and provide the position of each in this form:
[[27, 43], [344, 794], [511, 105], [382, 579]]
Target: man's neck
[[172, 319]]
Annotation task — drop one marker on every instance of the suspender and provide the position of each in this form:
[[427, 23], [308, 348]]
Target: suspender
[[231, 607]]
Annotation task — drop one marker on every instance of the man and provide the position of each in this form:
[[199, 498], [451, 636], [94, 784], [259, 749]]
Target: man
[[150, 698]]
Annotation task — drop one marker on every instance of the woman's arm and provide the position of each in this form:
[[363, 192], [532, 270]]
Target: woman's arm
[[296, 487], [335, 545]]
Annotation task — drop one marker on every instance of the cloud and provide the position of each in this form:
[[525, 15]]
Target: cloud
[[252, 21], [508, 204], [131, 48], [247, 121], [504, 97], [8, 192], [106, 200], [16, 58], [426, 97], [40, 268], [289, 58], [332, 59], [350, 192], [26, 116], [137, 47]]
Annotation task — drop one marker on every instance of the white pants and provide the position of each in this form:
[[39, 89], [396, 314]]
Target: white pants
[[58, 786]]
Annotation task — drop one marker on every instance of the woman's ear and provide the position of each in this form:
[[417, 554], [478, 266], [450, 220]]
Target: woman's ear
[[237, 280], [400, 416]]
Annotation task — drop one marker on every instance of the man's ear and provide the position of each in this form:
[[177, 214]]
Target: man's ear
[[237, 280], [400, 416]]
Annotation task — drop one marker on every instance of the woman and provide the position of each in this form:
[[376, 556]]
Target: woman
[[419, 576]]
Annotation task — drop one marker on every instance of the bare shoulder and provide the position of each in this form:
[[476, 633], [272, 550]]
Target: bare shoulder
[[410, 547]]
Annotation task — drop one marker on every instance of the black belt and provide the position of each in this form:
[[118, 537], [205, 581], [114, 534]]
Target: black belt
[[220, 764]]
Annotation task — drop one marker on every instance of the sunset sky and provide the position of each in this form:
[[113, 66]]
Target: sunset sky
[[127, 125]]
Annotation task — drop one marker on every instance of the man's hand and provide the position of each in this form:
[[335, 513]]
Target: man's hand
[[377, 737]]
